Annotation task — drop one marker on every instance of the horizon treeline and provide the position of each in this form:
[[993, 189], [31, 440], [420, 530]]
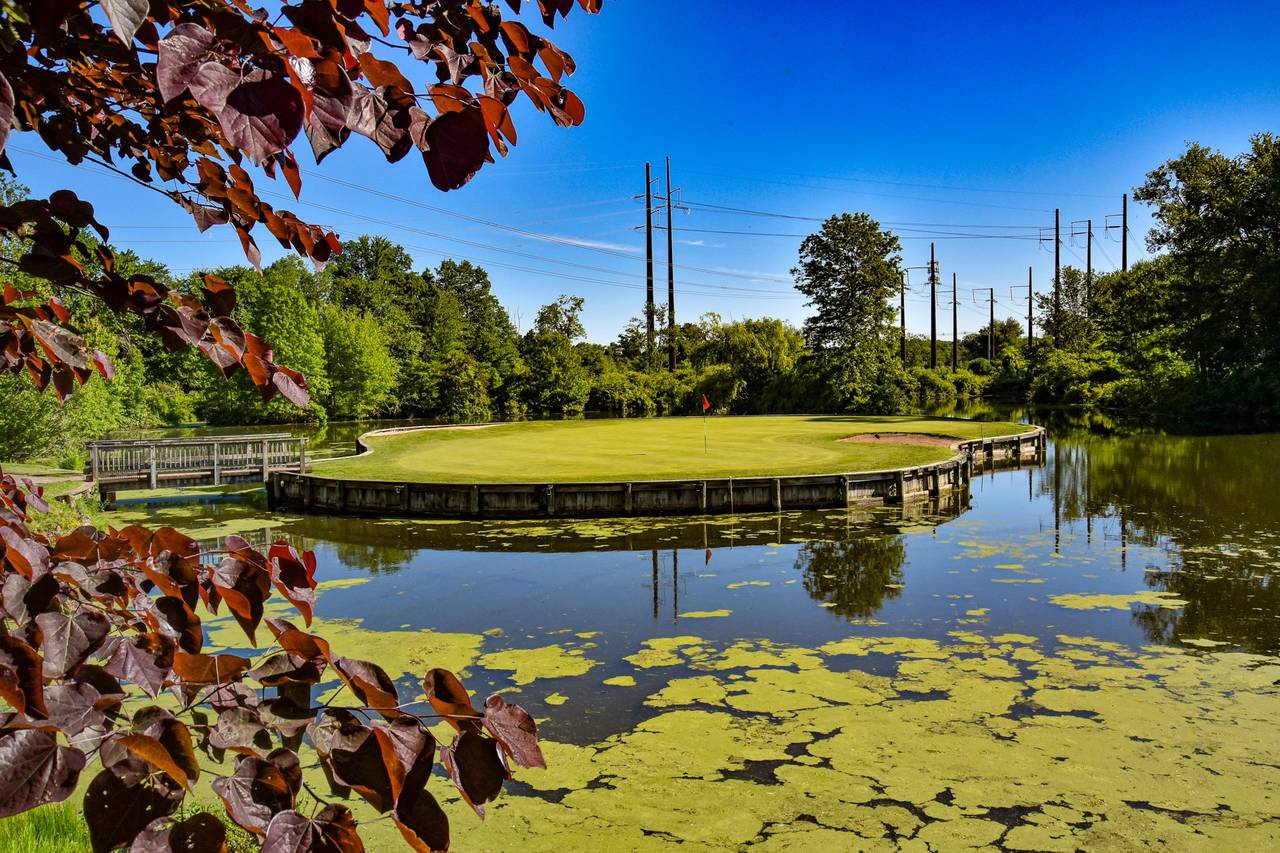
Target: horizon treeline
[[1189, 331]]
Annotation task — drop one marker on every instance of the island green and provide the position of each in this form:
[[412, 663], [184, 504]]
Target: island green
[[657, 449]]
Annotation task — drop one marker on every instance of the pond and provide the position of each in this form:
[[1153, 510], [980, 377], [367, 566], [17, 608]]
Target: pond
[[1085, 657]]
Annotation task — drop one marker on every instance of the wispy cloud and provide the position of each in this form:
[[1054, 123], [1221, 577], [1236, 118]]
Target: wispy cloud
[[584, 243], [692, 242], [756, 275]]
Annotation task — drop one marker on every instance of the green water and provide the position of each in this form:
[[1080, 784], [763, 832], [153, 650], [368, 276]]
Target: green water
[[1083, 657]]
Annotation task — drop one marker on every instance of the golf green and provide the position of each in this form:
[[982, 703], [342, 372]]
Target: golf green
[[659, 449]]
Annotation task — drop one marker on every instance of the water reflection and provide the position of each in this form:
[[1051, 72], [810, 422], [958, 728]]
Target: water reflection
[[1115, 516], [853, 577], [401, 537], [1200, 509]]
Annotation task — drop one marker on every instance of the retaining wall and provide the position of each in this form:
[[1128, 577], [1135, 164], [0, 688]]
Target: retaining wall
[[318, 494]]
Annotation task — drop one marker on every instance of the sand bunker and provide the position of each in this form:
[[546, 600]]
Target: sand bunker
[[917, 438]]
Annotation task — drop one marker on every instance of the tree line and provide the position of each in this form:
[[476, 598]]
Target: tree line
[[1190, 332], [1186, 331], [377, 337]]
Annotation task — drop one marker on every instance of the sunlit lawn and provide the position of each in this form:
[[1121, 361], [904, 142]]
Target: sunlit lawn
[[653, 448], [47, 829]]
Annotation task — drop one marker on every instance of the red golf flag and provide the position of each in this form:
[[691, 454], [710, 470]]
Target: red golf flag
[[706, 404]]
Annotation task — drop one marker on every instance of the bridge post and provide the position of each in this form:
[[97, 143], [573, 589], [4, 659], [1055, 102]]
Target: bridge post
[[302, 456], [217, 466], [266, 460], [93, 462], [153, 466]]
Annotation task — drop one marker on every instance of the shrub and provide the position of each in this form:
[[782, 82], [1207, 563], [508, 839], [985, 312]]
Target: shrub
[[968, 383], [933, 386], [981, 367]]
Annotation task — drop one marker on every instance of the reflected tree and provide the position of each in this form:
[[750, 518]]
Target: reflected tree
[[1229, 599], [374, 559], [1195, 497], [854, 576]]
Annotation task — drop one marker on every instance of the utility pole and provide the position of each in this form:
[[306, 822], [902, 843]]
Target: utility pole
[[955, 326], [1057, 267], [933, 310], [648, 257], [1030, 301], [902, 314], [1088, 265], [1124, 230], [1124, 233], [991, 324], [1088, 256], [902, 301], [671, 281]]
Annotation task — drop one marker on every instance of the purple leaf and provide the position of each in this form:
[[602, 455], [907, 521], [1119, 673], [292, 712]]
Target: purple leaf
[[126, 16], [262, 115], [182, 52], [36, 770]]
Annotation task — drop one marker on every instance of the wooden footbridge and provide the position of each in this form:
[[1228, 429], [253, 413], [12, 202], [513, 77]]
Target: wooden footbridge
[[155, 463]]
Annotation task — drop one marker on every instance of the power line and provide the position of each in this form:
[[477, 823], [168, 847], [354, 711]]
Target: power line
[[924, 186], [882, 195], [534, 235], [923, 235], [440, 236], [488, 262]]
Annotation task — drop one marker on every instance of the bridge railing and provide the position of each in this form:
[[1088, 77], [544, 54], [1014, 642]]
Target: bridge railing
[[149, 463]]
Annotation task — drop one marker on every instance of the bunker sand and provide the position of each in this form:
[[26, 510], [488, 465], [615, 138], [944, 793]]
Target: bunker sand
[[913, 439]]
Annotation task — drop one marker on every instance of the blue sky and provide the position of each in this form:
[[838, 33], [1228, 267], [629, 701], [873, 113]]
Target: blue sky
[[948, 117]]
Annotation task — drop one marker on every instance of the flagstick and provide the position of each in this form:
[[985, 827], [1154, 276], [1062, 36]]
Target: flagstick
[[704, 432]]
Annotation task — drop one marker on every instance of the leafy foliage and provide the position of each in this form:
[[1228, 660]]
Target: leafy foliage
[[89, 612], [1190, 330], [227, 84], [850, 270], [176, 96], [358, 361]]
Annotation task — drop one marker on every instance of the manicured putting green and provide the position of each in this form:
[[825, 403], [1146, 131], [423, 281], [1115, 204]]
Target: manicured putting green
[[655, 449]]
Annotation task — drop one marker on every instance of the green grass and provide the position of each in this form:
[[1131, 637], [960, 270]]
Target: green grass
[[57, 828], [60, 828], [63, 516], [37, 469], [651, 449]]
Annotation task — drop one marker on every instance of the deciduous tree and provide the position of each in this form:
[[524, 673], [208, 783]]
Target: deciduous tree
[[850, 270], [185, 97]]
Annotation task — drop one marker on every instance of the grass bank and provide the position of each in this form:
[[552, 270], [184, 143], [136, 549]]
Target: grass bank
[[655, 449], [55, 828]]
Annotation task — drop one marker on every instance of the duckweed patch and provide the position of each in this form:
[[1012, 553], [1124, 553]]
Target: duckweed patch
[[529, 665], [1087, 601], [965, 744]]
